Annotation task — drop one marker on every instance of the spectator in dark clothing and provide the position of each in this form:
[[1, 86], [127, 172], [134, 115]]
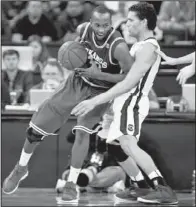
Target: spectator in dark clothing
[[177, 20], [5, 28], [18, 82], [12, 8], [88, 8], [70, 19], [40, 56], [5, 96], [34, 23]]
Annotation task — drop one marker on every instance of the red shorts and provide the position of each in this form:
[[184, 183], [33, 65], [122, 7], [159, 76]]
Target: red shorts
[[55, 111]]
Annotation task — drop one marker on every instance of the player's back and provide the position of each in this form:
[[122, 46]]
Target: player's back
[[102, 55]]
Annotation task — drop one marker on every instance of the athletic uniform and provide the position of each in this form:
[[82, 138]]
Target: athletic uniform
[[131, 108], [54, 112]]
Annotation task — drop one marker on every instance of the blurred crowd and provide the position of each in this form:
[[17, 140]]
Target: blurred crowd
[[35, 23], [56, 21]]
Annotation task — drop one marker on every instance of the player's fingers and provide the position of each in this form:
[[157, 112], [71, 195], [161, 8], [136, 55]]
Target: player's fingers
[[178, 77], [183, 81], [75, 109], [78, 69], [164, 63], [80, 112], [162, 54]]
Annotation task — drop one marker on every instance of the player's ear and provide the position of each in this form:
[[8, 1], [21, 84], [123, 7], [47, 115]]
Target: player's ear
[[145, 22]]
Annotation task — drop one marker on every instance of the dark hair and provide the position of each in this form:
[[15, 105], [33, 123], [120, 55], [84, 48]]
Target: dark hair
[[11, 52], [146, 11], [44, 55], [54, 62], [102, 10]]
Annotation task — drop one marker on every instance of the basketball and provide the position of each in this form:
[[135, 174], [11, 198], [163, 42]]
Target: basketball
[[72, 55]]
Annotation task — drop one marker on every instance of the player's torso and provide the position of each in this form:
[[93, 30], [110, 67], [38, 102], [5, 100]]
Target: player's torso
[[146, 82], [102, 55], [137, 98]]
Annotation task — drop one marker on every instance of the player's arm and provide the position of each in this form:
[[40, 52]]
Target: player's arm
[[176, 61], [122, 55], [143, 61], [186, 72], [79, 30]]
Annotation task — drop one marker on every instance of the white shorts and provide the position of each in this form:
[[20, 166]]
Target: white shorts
[[129, 112]]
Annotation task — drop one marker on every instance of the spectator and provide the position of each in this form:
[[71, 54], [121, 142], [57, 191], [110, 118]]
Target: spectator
[[88, 8], [40, 56], [18, 82], [5, 28], [52, 75], [177, 20], [12, 8], [34, 23], [72, 17], [53, 10], [5, 96]]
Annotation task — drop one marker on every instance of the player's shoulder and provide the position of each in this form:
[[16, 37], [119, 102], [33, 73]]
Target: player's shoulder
[[80, 29], [116, 34], [117, 40], [144, 51], [148, 45]]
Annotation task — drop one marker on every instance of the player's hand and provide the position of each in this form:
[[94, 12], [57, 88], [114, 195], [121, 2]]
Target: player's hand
[[168, 60], [184, 74], [83, 108], [92, 72]]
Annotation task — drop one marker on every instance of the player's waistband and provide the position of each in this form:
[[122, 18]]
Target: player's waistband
[[93, 84]]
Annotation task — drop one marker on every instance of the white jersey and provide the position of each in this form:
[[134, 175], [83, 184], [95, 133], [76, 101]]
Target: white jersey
[[131, 108], [147, 81]]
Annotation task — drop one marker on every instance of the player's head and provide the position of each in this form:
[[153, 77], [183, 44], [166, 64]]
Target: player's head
[[52, 71], [11, 59], [34, 9], [101, 22], [141, 17]]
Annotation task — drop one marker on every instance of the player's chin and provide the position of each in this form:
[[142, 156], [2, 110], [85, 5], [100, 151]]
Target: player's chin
[[100, 37]]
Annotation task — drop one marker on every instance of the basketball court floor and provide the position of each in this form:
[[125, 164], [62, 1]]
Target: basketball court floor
[[47, 197]]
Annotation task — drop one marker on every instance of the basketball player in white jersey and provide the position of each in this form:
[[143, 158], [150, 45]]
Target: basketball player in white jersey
[[131, 103], [186, 72]]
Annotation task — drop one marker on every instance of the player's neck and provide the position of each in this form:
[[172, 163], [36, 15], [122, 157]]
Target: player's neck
[[100, 42], [145, 35]]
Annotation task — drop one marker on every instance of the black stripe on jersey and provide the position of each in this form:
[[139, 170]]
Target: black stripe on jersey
[[123, 119], [136, 107]]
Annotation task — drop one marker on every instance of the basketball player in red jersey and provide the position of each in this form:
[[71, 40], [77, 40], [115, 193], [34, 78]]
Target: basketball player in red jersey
[[110, 57], [131, 103]]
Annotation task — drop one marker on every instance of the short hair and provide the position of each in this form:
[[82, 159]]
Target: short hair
[[11, 52], [102, 10], [53, 62], [146, 11]]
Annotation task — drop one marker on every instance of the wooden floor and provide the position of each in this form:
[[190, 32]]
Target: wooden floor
[[47, 197]]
